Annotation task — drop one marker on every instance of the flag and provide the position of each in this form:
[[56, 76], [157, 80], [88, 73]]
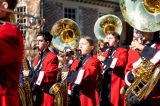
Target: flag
[[137, 36]]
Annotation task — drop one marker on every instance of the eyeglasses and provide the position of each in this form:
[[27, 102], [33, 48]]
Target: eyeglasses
[[40, 40]]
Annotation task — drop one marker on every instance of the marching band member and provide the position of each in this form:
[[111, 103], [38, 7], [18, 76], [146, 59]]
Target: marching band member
[[83, 75], [147, 48], [114, 60], [45, 71], [11, 52]]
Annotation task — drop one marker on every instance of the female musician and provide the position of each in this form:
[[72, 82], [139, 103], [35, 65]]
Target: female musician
[[114, 60], [147, 48], [11, 51], [83, 75]]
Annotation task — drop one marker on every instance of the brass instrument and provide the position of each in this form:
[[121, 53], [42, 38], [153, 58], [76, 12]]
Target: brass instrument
[[104, 25], [66, 33], [25, 92], [59, 89], [34, 22], [143, 15], [99, 51], [27, 86], [22, 95], [147, 76]]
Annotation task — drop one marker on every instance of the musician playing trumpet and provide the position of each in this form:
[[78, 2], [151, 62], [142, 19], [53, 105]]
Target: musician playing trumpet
[[11, 52], [143, 47], [114, 60]]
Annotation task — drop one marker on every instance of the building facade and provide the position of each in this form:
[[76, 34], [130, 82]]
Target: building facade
[[29, 8], [84, 12]]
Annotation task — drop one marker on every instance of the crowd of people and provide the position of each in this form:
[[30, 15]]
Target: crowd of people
[[94, 77]]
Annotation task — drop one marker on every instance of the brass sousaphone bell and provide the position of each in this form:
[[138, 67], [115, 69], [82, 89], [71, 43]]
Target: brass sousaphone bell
[[65, 33], [143, 15], [105, 24]]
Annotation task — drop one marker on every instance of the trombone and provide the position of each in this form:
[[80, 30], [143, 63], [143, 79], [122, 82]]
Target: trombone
[[34, 21]]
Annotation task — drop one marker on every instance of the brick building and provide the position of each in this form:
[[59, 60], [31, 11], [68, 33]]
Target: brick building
[[84, 12], [31, 7]]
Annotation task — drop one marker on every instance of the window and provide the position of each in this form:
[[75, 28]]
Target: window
[[21, 21], [70, 13]]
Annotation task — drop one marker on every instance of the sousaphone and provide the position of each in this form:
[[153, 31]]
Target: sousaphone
[[143, 15], [66, 33], [107, 23]]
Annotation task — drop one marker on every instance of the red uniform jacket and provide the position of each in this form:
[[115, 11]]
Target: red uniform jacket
[[50, 68], [86, 78], [133, 62], [116, 79], [133, 56], [11, 51]]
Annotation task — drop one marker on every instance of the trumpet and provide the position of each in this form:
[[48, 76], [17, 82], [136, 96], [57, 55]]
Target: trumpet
[[35, 22]]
